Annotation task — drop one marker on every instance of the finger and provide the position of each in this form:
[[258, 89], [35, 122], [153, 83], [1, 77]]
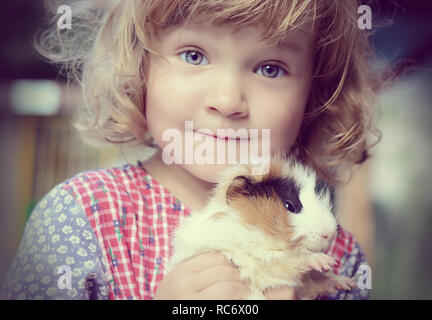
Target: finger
[[282, 293], [224, 290], [204, 261], [214, 274]]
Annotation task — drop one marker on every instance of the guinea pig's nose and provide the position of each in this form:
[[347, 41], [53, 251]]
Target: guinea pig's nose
[[325, 236]]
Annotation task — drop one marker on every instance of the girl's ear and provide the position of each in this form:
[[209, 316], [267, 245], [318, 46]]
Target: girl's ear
[[240, 186]]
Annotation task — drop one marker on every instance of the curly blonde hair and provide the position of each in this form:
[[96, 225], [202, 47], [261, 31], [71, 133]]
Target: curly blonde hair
[[107, 53]]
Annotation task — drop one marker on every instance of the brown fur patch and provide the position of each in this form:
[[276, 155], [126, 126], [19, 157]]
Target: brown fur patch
[[259, 205], [266, 214], [240, 186]]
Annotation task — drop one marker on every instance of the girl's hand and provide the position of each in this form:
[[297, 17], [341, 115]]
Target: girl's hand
[[282, 293], [209, 276]]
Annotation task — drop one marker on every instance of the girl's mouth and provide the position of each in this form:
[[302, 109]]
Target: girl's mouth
[[223, 136]]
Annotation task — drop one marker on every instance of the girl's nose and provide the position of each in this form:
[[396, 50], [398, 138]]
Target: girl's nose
[[233, 114], [227, 97]]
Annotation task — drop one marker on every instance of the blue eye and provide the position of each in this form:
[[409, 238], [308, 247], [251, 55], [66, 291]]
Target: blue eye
[[194, 57], [272, 71]]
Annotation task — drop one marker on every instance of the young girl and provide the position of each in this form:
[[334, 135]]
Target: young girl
[[297, 68]]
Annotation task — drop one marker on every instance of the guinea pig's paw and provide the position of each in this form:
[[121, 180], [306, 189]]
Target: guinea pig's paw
[[345, 283], [341, 283], [319, 261]]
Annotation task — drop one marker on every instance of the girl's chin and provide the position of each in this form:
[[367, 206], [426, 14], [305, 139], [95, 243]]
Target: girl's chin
[[206, 172]]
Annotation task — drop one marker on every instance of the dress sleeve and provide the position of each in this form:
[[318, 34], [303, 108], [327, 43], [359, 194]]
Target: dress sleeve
[[353, 265], [59, 256]]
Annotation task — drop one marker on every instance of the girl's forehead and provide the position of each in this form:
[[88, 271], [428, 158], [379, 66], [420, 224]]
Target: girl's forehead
[[198, 29]]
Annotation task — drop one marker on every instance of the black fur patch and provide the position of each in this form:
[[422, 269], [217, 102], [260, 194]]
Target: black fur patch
[[286, 189], [320, 185]]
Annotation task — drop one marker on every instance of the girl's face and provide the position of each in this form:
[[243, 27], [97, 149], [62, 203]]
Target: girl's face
[[221, 80]]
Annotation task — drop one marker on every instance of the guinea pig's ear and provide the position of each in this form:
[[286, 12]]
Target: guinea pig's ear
[[240, 186]]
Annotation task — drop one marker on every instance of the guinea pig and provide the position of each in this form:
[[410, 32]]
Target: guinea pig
[[274, 227]]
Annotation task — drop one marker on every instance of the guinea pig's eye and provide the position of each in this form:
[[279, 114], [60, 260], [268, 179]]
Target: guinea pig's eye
[[290, 206]]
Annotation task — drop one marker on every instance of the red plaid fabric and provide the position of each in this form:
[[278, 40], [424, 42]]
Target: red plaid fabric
[[341, 248], [133, 218]]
